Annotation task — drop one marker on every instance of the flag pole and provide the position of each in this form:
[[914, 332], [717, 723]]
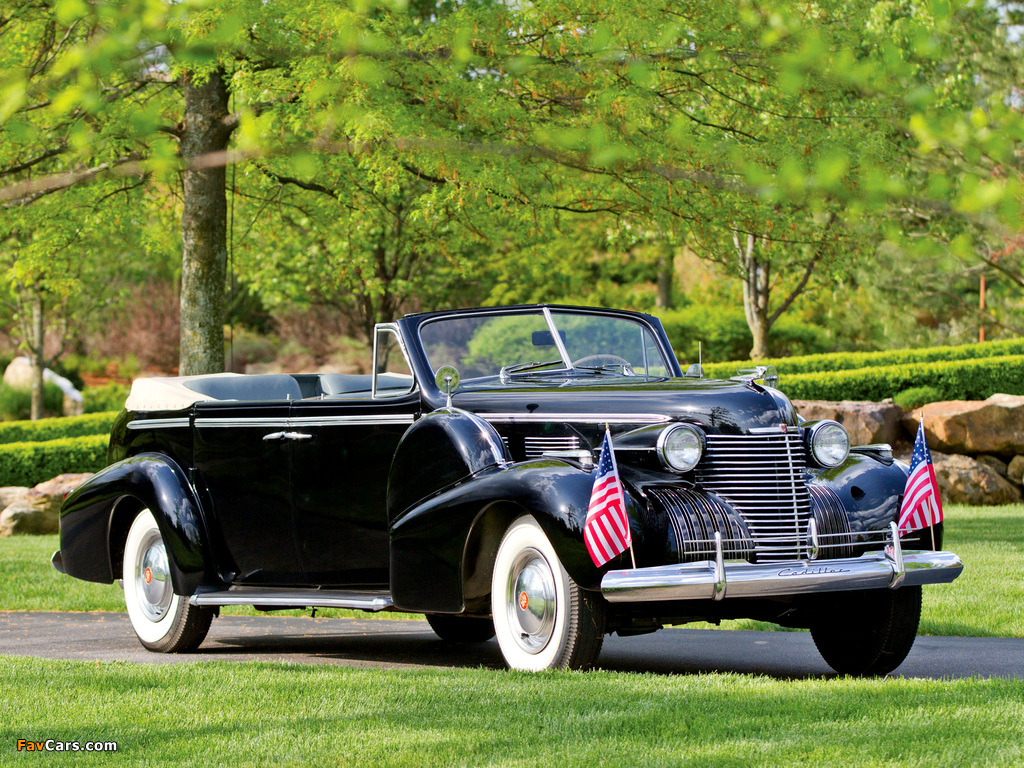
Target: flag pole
[[632, 555], [931, 503]]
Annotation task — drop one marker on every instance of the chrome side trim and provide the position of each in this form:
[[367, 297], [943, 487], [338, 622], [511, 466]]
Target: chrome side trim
[[157, 423], [305, 421], [700, 580], [366, 600], [583, 418], [370, 418], [242, 422]]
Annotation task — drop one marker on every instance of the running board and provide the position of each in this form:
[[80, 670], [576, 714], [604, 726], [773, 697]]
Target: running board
[[363, 600]]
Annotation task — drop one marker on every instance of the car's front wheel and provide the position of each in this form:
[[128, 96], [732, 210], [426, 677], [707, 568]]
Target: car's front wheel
[[542, 618], [868, 633], [163, 621]]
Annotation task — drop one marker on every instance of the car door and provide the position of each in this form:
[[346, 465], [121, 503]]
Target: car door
[[243, 470]]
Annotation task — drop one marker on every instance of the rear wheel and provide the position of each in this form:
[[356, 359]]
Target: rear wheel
[[542, 618], [163, 621], [461, 629], [868, 633]]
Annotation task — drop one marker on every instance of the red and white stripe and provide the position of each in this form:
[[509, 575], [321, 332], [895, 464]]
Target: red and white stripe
[[921, 505], [606, 532]]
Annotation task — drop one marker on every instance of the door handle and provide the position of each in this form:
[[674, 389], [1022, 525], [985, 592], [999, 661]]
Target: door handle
[[275, 436], [296, 436]]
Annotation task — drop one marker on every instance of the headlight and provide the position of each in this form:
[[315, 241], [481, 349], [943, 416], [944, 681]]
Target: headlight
[[680, 447], [829, 443]]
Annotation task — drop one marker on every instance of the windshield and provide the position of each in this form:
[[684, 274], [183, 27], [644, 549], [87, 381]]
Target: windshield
[[513, 347]]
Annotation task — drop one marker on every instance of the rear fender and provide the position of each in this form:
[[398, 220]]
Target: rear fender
[[442, 549], [95, 516]]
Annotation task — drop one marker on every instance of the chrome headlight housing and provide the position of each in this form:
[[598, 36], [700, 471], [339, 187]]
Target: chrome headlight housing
[[680, 447], [829, 443]]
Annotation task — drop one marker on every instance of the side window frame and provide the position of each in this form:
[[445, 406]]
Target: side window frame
[[379, 330]]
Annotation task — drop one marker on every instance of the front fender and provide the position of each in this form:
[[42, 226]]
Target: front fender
[[87, 520], [430, 541]]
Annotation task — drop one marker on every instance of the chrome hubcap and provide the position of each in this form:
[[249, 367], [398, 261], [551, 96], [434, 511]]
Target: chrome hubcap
[[531, 601], [153, 578]]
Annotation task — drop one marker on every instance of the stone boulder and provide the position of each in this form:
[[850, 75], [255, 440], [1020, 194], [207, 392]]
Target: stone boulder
[[994, 426], [962, 480], [10, 494], [38, 510], [866, 422], [1015, 472]]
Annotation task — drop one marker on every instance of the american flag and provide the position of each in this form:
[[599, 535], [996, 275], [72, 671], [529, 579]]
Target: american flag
[[606, 531], [922, 506]]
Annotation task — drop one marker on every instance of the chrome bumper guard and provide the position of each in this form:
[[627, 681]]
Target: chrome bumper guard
[[717, 579]]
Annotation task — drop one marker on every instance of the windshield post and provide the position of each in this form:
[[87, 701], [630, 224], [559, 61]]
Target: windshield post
[[562, 351]]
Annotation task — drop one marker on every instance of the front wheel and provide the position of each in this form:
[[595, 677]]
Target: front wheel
[[542, 618], [868, 633], [163, 621]]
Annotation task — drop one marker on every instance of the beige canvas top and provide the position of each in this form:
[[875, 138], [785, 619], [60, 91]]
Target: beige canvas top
[[167, 393]]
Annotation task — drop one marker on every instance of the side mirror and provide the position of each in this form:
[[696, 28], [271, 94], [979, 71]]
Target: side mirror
[[447, 380]]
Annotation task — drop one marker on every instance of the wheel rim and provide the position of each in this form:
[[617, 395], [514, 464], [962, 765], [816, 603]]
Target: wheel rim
[[530, 601], [153, 578]]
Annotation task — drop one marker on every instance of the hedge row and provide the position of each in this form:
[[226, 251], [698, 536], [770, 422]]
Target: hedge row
[[954, 380], [844, 361], [29, 464], [53, 429]]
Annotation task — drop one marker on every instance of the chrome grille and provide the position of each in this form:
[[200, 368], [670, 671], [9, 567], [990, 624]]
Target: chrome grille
[[693, 520], [536, 447], [832, 521], [764, 476]]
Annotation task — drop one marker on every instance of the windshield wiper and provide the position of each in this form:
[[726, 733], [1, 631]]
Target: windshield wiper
[[522, 367], [625, 369]]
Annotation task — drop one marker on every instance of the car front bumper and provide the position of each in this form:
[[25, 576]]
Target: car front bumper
[[718, 579]]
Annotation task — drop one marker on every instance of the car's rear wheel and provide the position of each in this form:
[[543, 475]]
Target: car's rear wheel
[[868, 633], [542, 618], [461, 629], [162, 620]]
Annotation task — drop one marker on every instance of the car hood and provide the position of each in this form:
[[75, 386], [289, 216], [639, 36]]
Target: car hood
[[728, 407]]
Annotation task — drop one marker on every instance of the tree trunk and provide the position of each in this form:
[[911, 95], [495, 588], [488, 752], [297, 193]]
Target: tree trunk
[[36, 340], [756, 292], [204, 227], [666, 270]]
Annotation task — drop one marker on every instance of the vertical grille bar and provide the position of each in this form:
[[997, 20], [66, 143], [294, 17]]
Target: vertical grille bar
[[764, 476]]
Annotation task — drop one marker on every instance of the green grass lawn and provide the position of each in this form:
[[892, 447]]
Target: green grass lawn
[[986, 601], [258, 713]]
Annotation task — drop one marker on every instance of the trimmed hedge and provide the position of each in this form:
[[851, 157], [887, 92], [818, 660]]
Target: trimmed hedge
[[845, 361], [29, 464], [954, 380], [53, 429]]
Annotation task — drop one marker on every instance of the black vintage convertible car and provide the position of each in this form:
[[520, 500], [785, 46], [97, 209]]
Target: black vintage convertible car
[[454, 481]]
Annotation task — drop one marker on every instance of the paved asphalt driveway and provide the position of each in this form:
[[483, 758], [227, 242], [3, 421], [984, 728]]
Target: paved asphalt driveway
[[404, 643]]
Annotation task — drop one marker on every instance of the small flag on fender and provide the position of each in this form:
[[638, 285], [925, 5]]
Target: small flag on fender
[[921, 506], [606, 532]]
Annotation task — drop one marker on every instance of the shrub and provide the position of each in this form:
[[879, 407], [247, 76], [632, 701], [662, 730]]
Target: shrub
[[29, 464], [16, 403], [841, 361], [108, 397], [53, 429], [915, 397], [953, 380]]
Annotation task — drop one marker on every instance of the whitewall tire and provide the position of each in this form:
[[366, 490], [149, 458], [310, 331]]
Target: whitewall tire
[[162, 620], [542, 618]]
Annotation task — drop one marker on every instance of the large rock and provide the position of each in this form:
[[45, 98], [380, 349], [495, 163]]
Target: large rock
[[866, 422], [962, 480], [1015, 472], [10, 494], [995, 425], [38, 511]]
